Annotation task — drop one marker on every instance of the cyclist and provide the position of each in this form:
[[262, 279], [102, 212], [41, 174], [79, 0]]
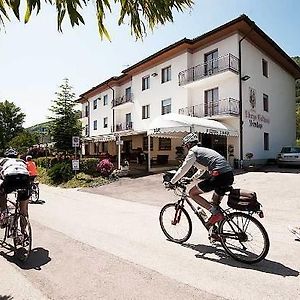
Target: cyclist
[[221, 176], [14, 176], [31, 167]]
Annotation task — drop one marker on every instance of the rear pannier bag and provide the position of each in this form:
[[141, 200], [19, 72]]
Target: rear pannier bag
[[243, 200]]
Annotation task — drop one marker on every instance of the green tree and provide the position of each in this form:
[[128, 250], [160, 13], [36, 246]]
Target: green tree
[[138, 13], [11, 121], [65, 122], [23, 141]]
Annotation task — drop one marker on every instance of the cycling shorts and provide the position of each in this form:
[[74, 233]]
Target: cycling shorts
[[219, 183]]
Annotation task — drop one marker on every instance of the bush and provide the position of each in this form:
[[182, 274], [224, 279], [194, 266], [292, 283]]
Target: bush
[[89, 166], [61, 172], [105, 167]]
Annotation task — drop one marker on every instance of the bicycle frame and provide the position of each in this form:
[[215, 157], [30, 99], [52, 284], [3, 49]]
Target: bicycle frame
[[185, 198]]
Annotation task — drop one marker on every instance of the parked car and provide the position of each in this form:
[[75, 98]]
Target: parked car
[[289, 155]]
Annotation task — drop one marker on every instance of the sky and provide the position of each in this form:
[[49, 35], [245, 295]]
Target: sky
[[35, 58]]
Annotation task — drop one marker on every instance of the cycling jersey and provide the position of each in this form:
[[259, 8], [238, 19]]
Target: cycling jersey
[[31, 167], [203, 158]]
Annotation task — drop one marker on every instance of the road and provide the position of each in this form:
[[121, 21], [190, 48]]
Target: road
[[92, 246]]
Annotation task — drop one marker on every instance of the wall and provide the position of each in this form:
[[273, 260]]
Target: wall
[[279, 122]]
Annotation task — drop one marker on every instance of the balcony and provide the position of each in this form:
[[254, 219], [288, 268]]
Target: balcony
[[220, 109], [126, 99], [123, 126], [222, 64]]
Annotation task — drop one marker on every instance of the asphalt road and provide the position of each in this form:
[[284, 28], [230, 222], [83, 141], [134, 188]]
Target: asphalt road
[[93, 246]]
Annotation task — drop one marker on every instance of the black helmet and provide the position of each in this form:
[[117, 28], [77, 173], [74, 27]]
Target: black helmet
[[11, 153]]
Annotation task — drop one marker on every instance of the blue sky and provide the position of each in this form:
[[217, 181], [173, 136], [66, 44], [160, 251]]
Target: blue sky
[[34, 58]]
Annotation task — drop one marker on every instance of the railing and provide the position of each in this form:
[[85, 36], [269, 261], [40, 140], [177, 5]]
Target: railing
[[228, 106], [123, 126], [211, 67], [121, 100]]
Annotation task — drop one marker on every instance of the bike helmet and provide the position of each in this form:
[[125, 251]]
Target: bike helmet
[[28, 157], [11, 153], [190, 138]]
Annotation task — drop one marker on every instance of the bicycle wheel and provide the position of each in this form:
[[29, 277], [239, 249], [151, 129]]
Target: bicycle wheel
[[175, 223], [22, 238], [244, 238], [35, 192], [3, 232]]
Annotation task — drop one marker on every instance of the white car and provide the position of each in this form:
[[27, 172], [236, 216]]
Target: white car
[[289, 155]]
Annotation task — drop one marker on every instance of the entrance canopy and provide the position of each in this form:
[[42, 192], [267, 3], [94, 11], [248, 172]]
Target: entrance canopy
[[170, 125]]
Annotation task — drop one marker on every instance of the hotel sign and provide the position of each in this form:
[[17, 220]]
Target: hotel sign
[[255, 120]]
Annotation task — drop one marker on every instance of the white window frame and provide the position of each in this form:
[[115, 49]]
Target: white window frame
[[146, 111], [166, 74], [146, 83], [166, 104]]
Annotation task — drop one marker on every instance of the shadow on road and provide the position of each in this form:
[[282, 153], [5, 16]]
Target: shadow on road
[[266, 266], [6, 297], [40, 201], [38, 258]]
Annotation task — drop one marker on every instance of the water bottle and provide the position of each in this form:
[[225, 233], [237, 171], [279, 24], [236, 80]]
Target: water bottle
[[202, 213]]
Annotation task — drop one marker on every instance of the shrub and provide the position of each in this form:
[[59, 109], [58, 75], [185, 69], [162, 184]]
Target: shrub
[[89, 166], [105, 167], [61, 172]]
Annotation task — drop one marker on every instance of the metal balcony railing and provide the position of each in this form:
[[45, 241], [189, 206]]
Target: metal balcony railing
[[123, 126], [228, 106], [121, 100], [211, 67]]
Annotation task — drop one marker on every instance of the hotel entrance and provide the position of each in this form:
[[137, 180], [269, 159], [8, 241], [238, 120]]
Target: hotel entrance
[[215, 142]]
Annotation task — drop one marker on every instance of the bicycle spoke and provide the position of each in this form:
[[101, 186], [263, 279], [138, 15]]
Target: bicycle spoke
[[244, 238]]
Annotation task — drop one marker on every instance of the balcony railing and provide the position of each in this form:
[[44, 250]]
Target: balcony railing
[[211, 67], [121, 100], [123, 126], [228, 106]]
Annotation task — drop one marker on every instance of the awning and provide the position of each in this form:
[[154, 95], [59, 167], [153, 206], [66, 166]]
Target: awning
[[100, 138], [171, 124]]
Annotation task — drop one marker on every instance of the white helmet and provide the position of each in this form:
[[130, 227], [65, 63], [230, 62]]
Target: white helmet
[[190, 138], [11, 153]]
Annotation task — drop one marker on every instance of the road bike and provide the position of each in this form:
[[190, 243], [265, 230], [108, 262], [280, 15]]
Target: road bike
[[17, 227], [242, 236]]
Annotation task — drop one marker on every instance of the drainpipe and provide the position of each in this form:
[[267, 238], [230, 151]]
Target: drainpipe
[[241, 97], [113, 98]]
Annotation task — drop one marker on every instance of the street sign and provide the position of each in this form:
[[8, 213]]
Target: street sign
[[119, 142], [75, 141], [75, 164]]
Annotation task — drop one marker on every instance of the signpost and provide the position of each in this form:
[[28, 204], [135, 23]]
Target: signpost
[[75, 162]]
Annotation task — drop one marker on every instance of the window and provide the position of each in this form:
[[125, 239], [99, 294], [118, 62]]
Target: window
[[265, 68], [86, 130], [95, 125], [164, 144], [166, 74], [266, 141], [211, 62], [128, 121], [86, 111], [96, 148], [211, 102], [128, 94], [145, 83], [266, 102], [145, 143], [105, 100], [146, 111], [95, 104], [105, 122], [165, 106]]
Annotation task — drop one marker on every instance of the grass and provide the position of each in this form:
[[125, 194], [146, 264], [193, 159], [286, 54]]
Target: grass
[[81, 180]]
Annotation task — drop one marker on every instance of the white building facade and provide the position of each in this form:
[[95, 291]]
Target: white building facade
[[235, 75]]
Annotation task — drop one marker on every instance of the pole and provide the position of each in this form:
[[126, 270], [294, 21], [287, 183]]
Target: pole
[[75, 159], [149, 150], [119, 152]]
